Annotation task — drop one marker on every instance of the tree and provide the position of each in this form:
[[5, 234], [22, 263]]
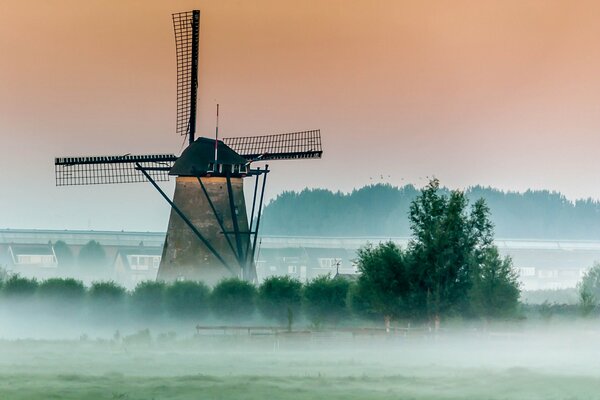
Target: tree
[[325, 299], [148, 298], [495, 290], [589, 290], [19, 287], [280, 298], [61, 297], [66, 290], [383, 283], [454, 266], [440, 251], [232, 299], [64, 257], [107, 299], [187, 299], [92, 259]]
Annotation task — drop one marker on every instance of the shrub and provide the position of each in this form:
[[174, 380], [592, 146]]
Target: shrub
[[106, 298], [280, 298], [148, 298], [589, 290], [17, 286], [325, 299], [67, 289], [233, 298], [187, 299]]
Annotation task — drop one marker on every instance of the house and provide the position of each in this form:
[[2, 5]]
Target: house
[[32, 260], [304, 263], [133, 265]]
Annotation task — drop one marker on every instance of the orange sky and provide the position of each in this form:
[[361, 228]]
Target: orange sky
[[500, 93]]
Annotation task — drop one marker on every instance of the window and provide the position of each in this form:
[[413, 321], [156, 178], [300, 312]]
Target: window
[[143, 262], [292, 269]]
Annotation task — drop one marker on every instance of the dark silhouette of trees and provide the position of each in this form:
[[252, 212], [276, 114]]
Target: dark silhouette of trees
[[380, 210], [92, 259], [450, 267], [233, 299], [280, 298], [589, 290], [187, 299], [325, 299], [64, 257]]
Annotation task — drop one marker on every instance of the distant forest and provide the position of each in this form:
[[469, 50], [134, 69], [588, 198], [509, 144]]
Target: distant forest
[[382, 210]]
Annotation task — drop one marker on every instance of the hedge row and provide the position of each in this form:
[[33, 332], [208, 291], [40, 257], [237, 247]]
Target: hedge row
[[281, 299]]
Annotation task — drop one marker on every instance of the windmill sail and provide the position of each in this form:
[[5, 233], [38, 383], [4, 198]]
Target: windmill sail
[[286, 146], [72, 171], [187, 25]]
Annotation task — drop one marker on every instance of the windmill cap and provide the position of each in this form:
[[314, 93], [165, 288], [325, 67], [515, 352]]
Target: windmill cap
[[199, 158]]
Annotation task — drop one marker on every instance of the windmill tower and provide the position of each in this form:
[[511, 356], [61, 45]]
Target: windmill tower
[[210, 235]]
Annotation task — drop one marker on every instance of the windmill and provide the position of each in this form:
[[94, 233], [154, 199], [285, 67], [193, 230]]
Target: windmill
[[210, 235]]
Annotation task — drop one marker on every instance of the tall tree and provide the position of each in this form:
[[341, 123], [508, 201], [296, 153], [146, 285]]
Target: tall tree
[[589, 289], [495, 292], [440, 250], [455, 267], [383, 284]]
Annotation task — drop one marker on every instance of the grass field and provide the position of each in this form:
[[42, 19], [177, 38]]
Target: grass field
[[564, 365]]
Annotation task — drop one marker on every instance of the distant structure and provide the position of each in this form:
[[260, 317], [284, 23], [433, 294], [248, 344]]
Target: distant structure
[[209, 236]]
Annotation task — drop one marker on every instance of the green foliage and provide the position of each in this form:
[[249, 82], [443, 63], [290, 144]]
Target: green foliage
[[495, 291], [148, 298], [187, 299], [322, 212], [589, 290], [279, 298], [106, 296], [384, 284], [61, 289], [64, 256], [451, 266], [516, 215], [440, 251], [233, 298], [19, 287], [92, 257], [325, 299]]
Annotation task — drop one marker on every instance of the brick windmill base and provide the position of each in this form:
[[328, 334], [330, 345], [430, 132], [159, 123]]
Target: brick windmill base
[[184, 255]]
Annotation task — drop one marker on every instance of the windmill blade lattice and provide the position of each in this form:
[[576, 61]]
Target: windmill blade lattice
[[286, 146], [186, 27], [75, 171]]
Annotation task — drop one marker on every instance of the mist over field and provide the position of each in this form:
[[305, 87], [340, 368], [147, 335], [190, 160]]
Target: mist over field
[[547, 361], [61, 349]]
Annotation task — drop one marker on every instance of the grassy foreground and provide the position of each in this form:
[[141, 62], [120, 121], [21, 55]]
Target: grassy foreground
[[315, 368]]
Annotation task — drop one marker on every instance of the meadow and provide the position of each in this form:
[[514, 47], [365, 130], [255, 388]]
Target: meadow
[[510, 364]]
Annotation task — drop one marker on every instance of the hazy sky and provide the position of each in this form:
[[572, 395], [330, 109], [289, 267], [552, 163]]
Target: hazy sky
[[501, 93]]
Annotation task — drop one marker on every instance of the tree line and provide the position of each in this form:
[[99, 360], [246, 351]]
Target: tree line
[[380, 210], [281, 299], [450, 268]]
